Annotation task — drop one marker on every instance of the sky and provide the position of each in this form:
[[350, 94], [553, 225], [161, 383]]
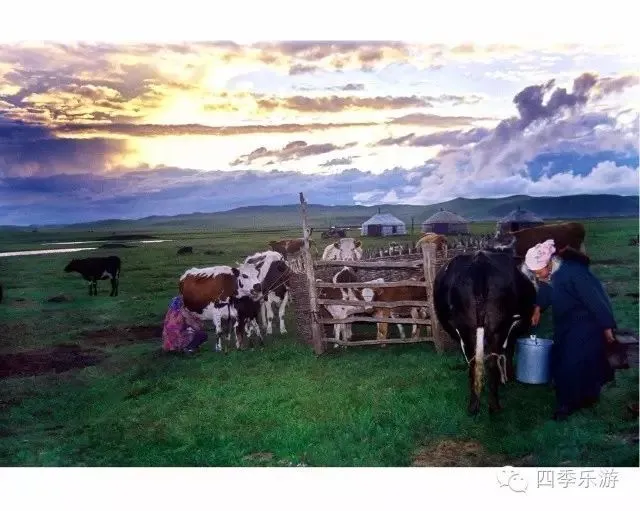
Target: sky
[[90, 131]]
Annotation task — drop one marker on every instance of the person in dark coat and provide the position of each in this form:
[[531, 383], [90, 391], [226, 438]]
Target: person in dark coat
[[583, 322]]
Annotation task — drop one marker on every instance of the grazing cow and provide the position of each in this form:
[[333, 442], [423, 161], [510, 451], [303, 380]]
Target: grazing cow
[[568, 234], [210, 293], [273, 274], [97, 268], [345, 249], [344, 330], [185, 250], [397, 294], [485, 302]]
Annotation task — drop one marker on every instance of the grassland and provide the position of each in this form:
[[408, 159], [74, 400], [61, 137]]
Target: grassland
[[279, 406]]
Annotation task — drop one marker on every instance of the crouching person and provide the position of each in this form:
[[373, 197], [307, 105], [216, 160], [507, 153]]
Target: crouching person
[[182, 330]]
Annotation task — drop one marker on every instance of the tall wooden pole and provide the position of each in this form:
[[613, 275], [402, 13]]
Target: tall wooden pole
[[429, 266], [316, 328]]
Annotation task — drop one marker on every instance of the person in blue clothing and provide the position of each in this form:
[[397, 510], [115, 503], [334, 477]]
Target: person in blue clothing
[[583, 321]]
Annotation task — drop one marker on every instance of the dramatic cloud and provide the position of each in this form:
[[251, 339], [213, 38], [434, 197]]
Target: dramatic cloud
[[337, 162], [292, 151], [440, 116], [457, 138], [158, 130], [436, 121], [34, 150], [341, 103]]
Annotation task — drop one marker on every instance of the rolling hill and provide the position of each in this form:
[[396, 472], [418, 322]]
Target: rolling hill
[[320, 216]]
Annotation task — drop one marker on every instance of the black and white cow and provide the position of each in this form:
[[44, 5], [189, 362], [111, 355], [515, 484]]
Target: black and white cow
[[97, 268], [485, 302], [273, 274]]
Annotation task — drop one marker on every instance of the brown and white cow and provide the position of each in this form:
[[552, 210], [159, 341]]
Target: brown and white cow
[[439, 240], [397, 294], [210, 293], [345, 249]]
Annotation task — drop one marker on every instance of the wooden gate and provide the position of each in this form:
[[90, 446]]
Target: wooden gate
[[312, 320]]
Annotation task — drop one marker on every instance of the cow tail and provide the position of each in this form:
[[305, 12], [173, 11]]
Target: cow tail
[[479, 361], [480, 290]]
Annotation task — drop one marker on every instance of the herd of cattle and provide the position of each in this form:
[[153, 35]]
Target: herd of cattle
[[483, 299]]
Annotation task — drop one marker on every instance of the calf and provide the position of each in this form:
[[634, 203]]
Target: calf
[[97, 268], [273, 274], [211, 293], [344, 330], [397, 294], [248, 311], [345, 249], [484, 301]]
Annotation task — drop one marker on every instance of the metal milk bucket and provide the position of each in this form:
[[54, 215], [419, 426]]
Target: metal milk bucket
[[532, 360]]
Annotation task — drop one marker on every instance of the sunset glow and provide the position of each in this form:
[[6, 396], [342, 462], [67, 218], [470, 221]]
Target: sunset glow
[[413, 123]]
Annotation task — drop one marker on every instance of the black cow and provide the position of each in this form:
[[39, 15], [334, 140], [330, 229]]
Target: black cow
[[97, 268], [185, 250], [484, 301]]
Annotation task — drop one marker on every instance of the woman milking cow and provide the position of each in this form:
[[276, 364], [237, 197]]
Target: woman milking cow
[[583, 325]]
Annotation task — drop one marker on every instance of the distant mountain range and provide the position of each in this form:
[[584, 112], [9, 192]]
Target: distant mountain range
[[320, 216]]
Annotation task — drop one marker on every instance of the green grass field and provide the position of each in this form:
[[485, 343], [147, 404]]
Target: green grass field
[[280, 406]]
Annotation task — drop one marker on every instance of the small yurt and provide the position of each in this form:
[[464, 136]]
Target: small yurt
[[519, 219], [445, 222], [383, 224]]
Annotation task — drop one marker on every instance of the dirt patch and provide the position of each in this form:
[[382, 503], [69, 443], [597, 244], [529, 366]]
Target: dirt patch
[[10, 331], [60, 299], [56, 359], [456, 453], [23, 303], [122, 336]]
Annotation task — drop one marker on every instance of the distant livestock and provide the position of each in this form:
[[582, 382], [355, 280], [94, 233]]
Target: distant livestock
[[97, 268], [568, 234], [345, 249], [185, 250], [210, 293], [485, 302]]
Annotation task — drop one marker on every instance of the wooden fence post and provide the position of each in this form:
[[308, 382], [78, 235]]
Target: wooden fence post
[[317, 330], [429, 266]]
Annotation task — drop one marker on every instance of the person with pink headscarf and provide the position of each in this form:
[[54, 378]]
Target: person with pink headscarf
[[583, 322]]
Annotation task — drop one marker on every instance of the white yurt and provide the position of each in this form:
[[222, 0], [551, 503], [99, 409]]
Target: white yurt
[[383, 224]]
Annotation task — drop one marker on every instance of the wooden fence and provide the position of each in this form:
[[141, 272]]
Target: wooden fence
[[312, 317]]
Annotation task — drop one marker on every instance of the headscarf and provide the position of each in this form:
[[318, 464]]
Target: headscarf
[[176, 303], [539, 256]]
